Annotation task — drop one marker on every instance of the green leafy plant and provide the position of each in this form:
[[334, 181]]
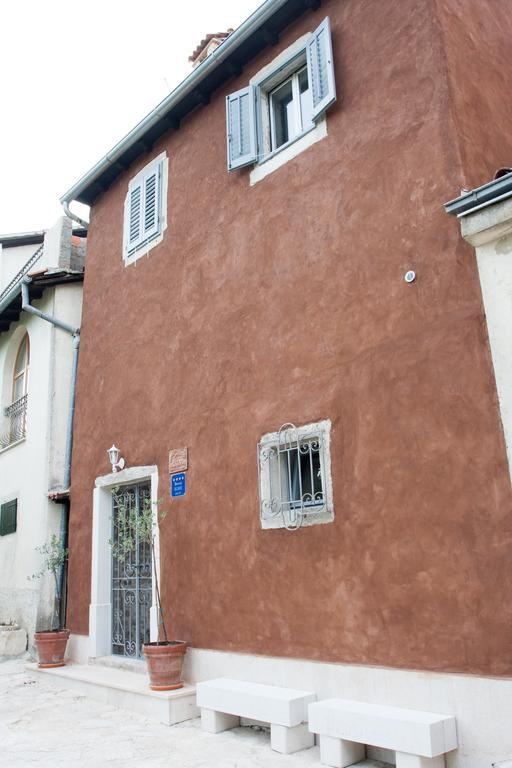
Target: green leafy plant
[[54, 556], [134, 525]]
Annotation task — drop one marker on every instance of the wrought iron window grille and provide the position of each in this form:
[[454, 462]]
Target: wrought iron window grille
[[16, 413], [292, 476]]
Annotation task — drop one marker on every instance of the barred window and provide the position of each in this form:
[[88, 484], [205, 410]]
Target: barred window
[[295, 476]]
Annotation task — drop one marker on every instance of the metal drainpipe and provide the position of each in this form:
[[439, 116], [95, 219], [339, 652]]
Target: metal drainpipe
[[75, 332], [69, 213]]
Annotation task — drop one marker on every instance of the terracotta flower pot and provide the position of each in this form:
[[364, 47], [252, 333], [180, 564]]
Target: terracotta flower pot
[[165, 664], [51, 648]]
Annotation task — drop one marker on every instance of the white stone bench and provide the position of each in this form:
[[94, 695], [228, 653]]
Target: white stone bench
[[420, 739], [223, 702]]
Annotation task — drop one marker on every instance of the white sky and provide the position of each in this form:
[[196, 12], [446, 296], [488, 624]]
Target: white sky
[[76, 77]]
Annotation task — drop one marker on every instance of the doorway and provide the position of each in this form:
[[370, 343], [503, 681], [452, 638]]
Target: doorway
[[131, 572]]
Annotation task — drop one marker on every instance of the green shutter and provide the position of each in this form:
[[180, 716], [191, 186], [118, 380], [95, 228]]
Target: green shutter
[[8, 517]]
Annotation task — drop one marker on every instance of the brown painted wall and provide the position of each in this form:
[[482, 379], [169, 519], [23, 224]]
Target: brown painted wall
[[478, 46], [286, 302]]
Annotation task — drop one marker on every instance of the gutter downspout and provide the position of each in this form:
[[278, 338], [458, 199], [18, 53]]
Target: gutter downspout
[[69, 213], [75, 333]]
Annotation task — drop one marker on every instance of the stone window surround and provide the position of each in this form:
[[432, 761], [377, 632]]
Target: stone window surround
[[271, 161], [144, 249], [321, 429], [100, 609]]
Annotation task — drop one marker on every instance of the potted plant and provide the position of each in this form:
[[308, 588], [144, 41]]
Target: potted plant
[[51, 643], [135, 526]]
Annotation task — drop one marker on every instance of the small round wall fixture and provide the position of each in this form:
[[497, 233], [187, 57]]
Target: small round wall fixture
[[410, 276], [113, 457]]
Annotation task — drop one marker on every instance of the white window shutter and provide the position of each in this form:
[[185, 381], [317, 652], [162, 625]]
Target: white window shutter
[[241, 128], [133, 216], [321, 68], [151, 187]]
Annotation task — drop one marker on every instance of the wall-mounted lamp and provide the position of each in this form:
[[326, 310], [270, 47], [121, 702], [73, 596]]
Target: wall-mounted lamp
[[113, 457]]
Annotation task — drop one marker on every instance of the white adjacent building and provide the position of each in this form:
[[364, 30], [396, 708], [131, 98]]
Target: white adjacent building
[[45, 270]]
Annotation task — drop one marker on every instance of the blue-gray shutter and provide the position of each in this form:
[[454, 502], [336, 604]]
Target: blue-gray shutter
[[241, 127], [321, 68], [8, 517], [133, 216], [152, 202]]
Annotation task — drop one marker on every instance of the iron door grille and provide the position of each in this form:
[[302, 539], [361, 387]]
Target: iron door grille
[[131, 579]]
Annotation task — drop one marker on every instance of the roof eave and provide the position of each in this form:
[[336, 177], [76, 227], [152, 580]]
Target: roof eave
[[481, 197], [22, 238], [89, 187], [11, 305]]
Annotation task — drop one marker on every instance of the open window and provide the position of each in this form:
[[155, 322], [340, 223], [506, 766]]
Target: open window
[[287, 103]]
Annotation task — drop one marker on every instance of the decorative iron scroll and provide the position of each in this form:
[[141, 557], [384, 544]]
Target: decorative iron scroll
[[296, 485]]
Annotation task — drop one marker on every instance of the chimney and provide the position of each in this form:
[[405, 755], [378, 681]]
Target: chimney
[[207, 45]]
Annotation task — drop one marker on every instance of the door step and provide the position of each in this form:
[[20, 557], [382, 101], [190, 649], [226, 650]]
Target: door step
[[121, 662], [125, 689]]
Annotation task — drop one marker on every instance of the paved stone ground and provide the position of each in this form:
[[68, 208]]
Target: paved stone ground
[[44, 726]]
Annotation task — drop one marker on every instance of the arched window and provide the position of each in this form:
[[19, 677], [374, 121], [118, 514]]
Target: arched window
[[21, 367], [16, 413]]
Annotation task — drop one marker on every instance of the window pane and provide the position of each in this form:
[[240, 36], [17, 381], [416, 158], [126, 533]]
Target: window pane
[[301, 478], [20, 360], [282, 109], [306, 102], [19, 386]]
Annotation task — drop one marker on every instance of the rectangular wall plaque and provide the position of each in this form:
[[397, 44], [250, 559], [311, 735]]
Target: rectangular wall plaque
[[178, 460], [178, 485]]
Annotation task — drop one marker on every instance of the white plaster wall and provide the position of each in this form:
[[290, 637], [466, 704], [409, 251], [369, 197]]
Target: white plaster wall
[[29, 469], [23, 474], [67, 306], [13, 259], [490, 231]]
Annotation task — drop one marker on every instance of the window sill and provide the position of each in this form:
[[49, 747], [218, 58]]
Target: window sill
[[12, 445], [143, 249], [288, 151]]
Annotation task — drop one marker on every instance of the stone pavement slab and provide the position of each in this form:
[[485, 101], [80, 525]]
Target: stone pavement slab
[[44, 726]]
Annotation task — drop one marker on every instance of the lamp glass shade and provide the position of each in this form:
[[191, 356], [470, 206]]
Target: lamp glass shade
[[113, 454]]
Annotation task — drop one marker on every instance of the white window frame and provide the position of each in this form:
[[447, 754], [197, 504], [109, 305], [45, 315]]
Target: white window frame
[[301, 125], [141, 247], [276, 511], [266, 80]]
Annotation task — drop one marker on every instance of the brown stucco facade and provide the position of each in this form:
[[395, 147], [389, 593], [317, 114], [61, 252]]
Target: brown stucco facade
[[285, 301]]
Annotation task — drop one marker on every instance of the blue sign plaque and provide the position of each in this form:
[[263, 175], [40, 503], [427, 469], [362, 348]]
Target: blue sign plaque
[[178, 485]]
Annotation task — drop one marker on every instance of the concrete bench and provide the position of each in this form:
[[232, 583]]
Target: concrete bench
[[420, 739], [223, 702]]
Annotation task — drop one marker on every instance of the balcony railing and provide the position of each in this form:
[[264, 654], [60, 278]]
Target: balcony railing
[[16, 415]]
